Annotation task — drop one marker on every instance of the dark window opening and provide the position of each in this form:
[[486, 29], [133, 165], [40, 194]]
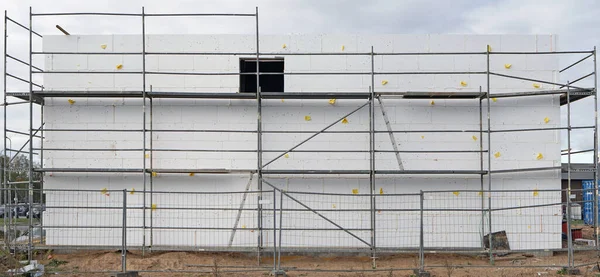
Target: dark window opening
[[268, 83]]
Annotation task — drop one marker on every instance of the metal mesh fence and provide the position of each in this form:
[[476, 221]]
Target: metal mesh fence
[[366, 226]]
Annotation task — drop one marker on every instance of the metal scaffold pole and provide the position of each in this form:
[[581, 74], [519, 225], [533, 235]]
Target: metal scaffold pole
[[144, 131], [30, 175], [489, 171], [372, 161], [481, 188], [5, 198], [151, 158], [568, 192], [595, 159], [421, 233], [274, 230], [124, 233], [259, 140]]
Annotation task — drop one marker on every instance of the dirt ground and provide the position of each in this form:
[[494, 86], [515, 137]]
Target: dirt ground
[[97, 263], [227, 264]]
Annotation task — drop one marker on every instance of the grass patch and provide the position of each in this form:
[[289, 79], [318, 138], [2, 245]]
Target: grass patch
[[576, 222], [56, 263], [21, 221]]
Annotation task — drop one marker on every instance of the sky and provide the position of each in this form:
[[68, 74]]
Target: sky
[[575, 22]]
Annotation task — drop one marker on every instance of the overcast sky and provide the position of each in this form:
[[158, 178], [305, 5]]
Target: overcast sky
[[576, 22]]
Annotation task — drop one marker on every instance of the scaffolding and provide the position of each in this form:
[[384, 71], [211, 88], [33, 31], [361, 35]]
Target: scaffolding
[[36, 96]]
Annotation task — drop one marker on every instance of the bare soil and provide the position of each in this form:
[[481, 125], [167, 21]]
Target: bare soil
[[97, 263], [230, 264]]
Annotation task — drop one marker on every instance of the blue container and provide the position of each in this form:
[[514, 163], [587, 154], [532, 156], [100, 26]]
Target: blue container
[[588, 204]]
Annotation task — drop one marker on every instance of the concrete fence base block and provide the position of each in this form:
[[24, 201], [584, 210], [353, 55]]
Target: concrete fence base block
[[541, 253], [420, 273], [573, 271], [126, 274], [278, 273]]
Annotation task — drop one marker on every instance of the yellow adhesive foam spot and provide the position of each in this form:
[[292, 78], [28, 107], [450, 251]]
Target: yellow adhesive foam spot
[[489, 48], [286, 155], [480, 193], [244, 226], [343, 47], [282, 101], [494, 99], [333, 206], [132, 191], [154, 174], [354, 191], [474, 138], [384, 82], [432, 102], [119, 66], [345, 121], [71, 101], [284, 46], [380, 190], [192, 174], [307, 117], [147, 156], [536, 192], [536, 85], [546, 120], [539, 156], [103, 46], [332, 101], [153, 207], [463, 83], [507, 65], [456, 193], [104, 191], [422, 137], [497, 155]]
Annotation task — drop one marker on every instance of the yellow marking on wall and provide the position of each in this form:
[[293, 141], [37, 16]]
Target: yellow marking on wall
[[539, 156]]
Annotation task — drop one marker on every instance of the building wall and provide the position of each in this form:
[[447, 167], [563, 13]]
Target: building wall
[[527, 228]]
